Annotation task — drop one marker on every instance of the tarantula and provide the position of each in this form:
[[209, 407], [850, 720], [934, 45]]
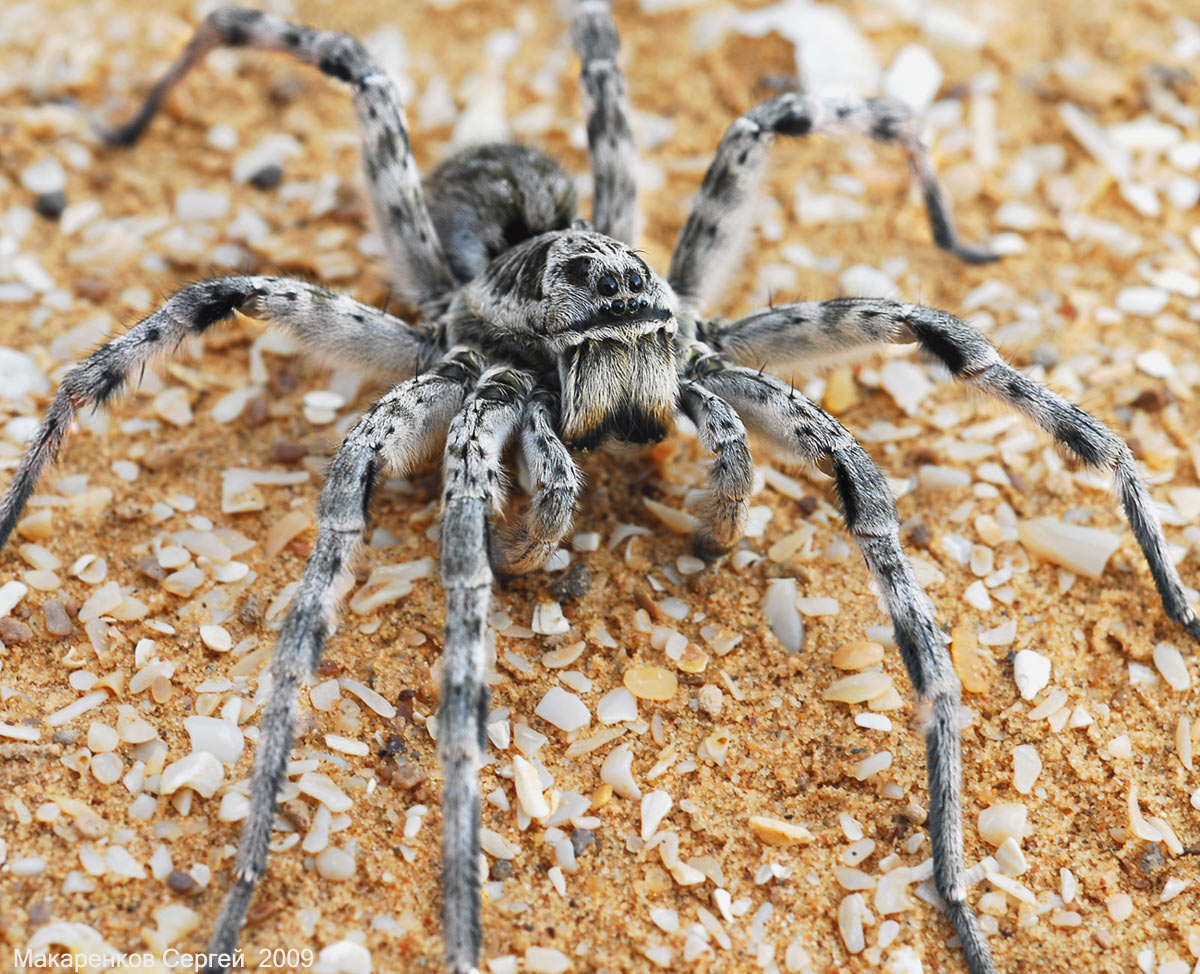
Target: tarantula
[[540, 328]]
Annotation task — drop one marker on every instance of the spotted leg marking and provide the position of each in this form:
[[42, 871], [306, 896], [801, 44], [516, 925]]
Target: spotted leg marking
[[473, 490], [525, 544], [419, 264], [398, 431], [716, 230], [797, 425], [610, 136], [325, 322]]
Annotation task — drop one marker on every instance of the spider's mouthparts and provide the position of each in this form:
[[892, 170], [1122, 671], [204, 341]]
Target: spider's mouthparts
[[618, 389], [633, 311]]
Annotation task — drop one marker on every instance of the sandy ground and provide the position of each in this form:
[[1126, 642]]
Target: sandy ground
[[791, 753]]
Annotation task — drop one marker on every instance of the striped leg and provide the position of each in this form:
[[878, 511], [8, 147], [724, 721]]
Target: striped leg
[[610, 137], [784, 335], [731, 476], [336, 326], [418, 262], [719, 223], [473, 490], [399, 430], [525, 545], [799, 426]]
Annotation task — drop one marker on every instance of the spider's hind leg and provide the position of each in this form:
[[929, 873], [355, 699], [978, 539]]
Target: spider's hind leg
[[610, 135], [418, 262], [719, 223]]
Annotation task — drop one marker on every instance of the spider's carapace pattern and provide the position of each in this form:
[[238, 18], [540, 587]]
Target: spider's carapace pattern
[[540, 329]]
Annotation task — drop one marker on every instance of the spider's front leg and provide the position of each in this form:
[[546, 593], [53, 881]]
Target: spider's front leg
[[789, 334], [399, 431], [322, 321], [472, 492], [524, 545], [731, 476], [717, 228], [417, 260], [798, 426]]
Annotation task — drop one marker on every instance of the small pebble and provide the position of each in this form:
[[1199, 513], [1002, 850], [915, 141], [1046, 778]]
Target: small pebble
[[216, 638], [650, 682], [45, 176], [268, 177], [50, 205], [1142, 300], [335, 864]]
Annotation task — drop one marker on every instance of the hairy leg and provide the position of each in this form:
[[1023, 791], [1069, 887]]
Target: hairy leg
[[473, 490], [784, 335], [716, 230], [418, 262], [524, 545], [399, 430], [797, 425], [610, 137], [334, 325], [731, 476]]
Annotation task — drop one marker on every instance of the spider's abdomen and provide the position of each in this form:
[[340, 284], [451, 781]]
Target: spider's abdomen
[[488, 198]]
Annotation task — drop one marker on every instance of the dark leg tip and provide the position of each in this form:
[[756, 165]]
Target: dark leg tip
[[973, 255], [708, 550]]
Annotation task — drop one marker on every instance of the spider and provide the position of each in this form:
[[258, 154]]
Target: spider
[[541, 329]]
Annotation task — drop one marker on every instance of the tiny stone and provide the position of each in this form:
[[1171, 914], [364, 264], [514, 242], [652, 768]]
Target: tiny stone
[[50, 205], [45, 176], [180, 882], [581, 839], [336, 864], [268, 177], [575, 584], [14, 631]]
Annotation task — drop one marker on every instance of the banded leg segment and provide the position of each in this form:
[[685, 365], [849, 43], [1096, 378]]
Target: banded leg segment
[[416, 253], [525, 545], [731, 476], [329, 323], [797, 425], [719, 223], [790, 333], [399, 430], [472, 491], [610, 135]]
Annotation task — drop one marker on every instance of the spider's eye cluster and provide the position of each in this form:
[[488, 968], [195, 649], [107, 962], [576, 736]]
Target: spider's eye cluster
[[632, 306], [607, 286]]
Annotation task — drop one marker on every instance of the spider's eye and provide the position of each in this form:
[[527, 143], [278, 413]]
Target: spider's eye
[[635, 282], [607, 286], [618, 307]]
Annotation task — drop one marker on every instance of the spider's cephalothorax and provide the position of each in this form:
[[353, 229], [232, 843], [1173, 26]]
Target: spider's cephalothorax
[[588, 310], [560, 338]]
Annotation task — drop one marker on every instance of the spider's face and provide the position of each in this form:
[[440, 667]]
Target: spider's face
[[611, 321], [590, 308], [599, 289]]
